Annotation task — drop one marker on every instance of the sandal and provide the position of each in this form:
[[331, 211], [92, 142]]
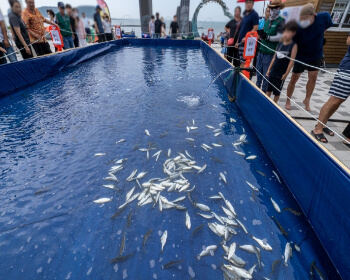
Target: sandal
[[346, 144], [328, 131], [319, 137]]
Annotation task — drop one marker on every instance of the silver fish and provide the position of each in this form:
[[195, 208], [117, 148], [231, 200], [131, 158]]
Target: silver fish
[[202, 207], [193, 122], [109, 186], [216, 145], [251, 157], [206, 216], [217, 134], [111, 178], [99, 154], [239, 153], [188, 220], [147, 132], [239, 271], [208, 147], [215, 197], [121, 161], [205, 148], [163, 239], [207, 251], [232, 120], [131, 175], [232, 250], [222, 196], [228, 212], [223, 177], [143, 150], [103, 200], [188, 129], [160, 204], [277, 177], [243, 137], [262, 244], [202, 169], [222, 124], [210, 127], [230, 207], [217, 130], [243, 226], [275, 205], [179, 199], [193, 127], [169, 152], [288, 253], [188, 154], [157, 153], [253, 187], [120, 141], [129, 194], [190, 139], [141, 175]]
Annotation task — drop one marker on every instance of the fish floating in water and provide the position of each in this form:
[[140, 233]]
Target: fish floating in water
[[288, 253], [99, 154], [163, 239], [216, 145], [210, 127], [196, 230], [263, 244], [240, 153], [169, 264], [232, 120], [251, 157], [275, 205], [217, 134], [188, 220], [253, 187], [120, 141], [103, 200], [277, 177], [202, 169], [147, 132], [145, 238], [207, 251], [190, 139], [120, 259], [222, 176]]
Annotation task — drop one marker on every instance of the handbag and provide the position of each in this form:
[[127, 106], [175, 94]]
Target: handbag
[[230, 42]]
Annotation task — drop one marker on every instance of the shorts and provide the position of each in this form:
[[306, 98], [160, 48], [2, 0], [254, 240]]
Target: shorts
[[340, 87], [241, 51], [275, 85], [300, 68], [87, 31]]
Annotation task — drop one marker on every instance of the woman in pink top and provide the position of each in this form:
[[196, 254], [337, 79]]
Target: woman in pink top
[[81, 31]]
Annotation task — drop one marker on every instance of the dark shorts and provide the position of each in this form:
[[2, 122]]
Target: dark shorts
[[275, 85], [42, 48], [87, 31], [300, 68]]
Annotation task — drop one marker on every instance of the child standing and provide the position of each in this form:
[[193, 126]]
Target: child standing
[[281, 63]]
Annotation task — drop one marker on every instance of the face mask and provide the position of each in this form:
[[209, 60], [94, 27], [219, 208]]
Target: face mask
[[305, 23], [274, 13]]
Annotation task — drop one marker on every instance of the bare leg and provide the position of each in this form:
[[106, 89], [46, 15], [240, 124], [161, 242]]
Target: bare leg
[[268, 93], [310, 86], [326, 112], [290, 90], [276, 98]]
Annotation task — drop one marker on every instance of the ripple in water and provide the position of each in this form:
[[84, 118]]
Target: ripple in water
[[191, 101]]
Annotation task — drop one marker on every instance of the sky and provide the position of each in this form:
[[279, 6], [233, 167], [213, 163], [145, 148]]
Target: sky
[[167, 8]]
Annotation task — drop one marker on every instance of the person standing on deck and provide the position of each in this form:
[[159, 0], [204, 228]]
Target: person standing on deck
[[5, 43], [87, 27], [346, 133], [107, 27], [339, 92], [151, 27], [64, 24], [174, 28], [157, 27], [99, 26], [34, 21], [20, 31], [73, 24], [81, 30], [233, 28], [309, 38], [269, 36], [250, 22]]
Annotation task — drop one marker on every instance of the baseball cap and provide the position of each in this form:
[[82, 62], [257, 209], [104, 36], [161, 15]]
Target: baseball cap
[[98, 7], [60, 5]]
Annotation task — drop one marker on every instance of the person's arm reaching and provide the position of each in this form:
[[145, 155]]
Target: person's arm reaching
[[278, 36], [20, 37], [272, 62], [291, 62], [4, 32], [50, 22]]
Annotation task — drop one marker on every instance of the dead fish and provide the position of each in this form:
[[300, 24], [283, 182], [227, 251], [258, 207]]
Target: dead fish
[[157, 153], [206, 216], [275, 205], [129, 194], [202, 207], [232, 250], [222, 124], [205, 148], [251, 157], [297, 248], [217, 134], [147, 132], [141, 175], [320, 274], [188, 154], [242, 137], [163, 239], [102, 200], [117, 213], [232, 120], [188, 129], [41, 191], [169, 264], [207, 250], [120, 259], [169, 152], [280, 226], [121, 250], [239, 153], [190, 139], [131, 176], [250, 185], [242, 226], [193, 127], [217, 160], [196, 230], [288, 253], [99, 154], [217, 130], [278, 178], [239, 271], [164, 134], [145, 238], [120, 141], [262, 243], [136, 147], [210, 127], [121, 161], [296, 213], [202, 169], [215, 197], [222, 176], [216, 145], [109, 186], [274, 265], [188, 221], [129, 220], [261, 173]]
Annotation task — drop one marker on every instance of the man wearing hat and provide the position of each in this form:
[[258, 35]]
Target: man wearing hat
[[64, 23], [270, 36], [99, 26], [250, 22], [309, 38]]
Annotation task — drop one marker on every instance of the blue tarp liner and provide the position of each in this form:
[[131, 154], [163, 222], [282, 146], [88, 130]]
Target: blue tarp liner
[[320, 185]]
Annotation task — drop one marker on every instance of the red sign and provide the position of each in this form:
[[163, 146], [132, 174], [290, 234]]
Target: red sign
[[210, 35], [56, 37], [118, 32], [251, 42]]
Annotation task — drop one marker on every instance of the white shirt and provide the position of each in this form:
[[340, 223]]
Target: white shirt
[[152, 27], [1, 19], [86, 22], [107, 26]]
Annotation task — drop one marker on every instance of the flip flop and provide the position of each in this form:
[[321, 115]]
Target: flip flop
[[319, 137], [328, 131]]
